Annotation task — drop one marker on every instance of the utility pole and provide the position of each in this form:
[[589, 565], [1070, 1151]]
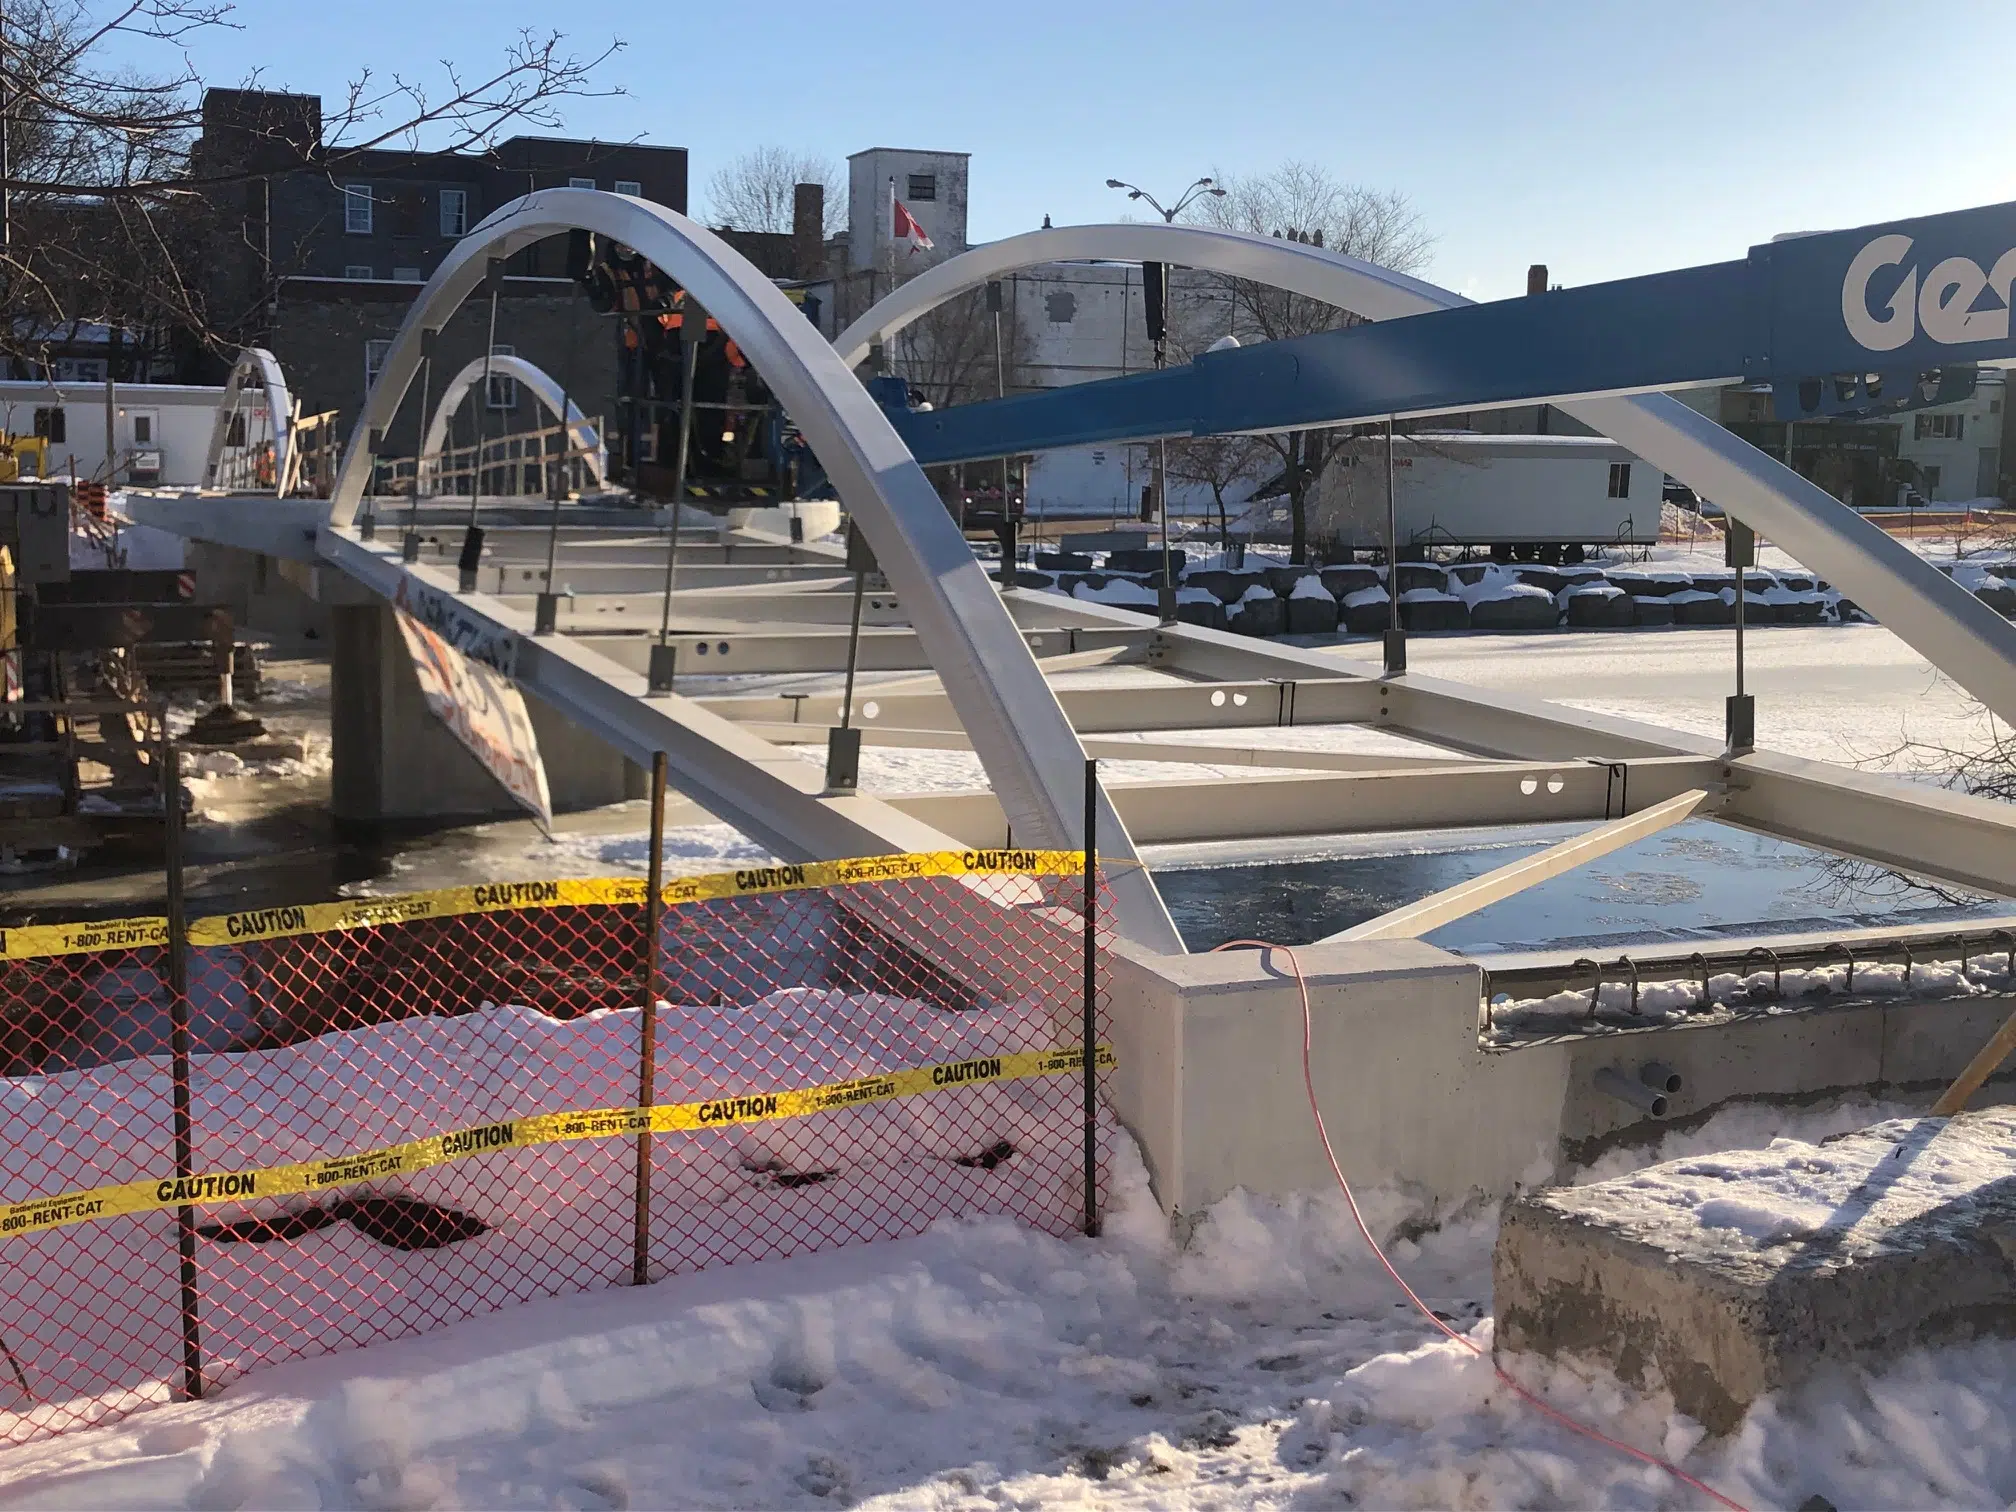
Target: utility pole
[[1155, 303]]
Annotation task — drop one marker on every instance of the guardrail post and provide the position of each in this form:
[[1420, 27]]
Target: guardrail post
[[647, 1026], [178, 1051], [1091, 990]]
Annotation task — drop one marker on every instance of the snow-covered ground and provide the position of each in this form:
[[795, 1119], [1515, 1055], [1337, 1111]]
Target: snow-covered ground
[[1848, 694], [984, 1366]]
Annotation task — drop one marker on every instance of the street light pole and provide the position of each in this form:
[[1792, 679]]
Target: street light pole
[[1156, 310]]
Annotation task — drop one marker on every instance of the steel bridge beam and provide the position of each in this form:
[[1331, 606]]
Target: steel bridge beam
[[1092, 711], [1416, 919], [1269, 808]]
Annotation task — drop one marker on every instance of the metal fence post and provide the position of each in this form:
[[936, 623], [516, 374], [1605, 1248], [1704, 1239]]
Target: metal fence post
[[178, 1051], [1091, 1030], [647, 1027]]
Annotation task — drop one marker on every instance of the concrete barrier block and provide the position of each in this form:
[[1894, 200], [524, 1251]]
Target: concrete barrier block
[[1725, 1277]]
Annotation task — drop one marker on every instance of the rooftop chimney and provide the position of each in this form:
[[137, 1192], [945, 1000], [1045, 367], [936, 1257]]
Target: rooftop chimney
[[808, 230], [1536, 279]]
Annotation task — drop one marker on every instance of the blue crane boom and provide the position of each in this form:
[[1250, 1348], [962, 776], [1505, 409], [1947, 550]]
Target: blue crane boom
[[1848, 322]]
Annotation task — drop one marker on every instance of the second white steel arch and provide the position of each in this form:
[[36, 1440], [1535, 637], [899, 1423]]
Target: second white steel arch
[[581, 435], [1938, 618], [256, 371]]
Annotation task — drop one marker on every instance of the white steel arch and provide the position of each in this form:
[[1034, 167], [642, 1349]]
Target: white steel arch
[[255, 370], [1018, 729], [543, 387], [1938, 618]]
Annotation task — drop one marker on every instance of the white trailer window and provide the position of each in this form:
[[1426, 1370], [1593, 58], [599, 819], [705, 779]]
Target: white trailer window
[[1620, 480]]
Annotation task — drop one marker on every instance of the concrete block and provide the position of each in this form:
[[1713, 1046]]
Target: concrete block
[[1703, 611], [1364, 619], [1427, 575], [1726, 1277], [1523, 612], [1347, 577], [1599, 611], [1651, 609], [1258, 616], [1434, 614], [1309, 615]]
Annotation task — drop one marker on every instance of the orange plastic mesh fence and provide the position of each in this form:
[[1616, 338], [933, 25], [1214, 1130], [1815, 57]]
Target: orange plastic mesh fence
[[384, 1102]]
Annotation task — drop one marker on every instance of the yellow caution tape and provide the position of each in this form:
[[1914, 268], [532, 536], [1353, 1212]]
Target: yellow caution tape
[[212, 1187], [27, 941], [754, 880], [504, 897], [405, 908]]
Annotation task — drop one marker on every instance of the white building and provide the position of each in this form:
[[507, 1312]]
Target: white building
[[1957, 448], [160, 431], [932, 187]]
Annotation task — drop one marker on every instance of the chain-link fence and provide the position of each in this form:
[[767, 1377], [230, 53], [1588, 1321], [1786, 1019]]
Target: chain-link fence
[[364, 1120]]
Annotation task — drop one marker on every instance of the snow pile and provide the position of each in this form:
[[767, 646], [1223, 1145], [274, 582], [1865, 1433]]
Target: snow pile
[[1258, 593], [1498, 584], [1418, 596], [1120, 592], [1311, 587], [1195, 596], [984, 1365], [1363, 597]]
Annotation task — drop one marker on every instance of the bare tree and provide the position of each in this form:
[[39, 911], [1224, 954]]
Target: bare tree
[[107, 208], [754, 191], [1221, 464], [1306, 202]]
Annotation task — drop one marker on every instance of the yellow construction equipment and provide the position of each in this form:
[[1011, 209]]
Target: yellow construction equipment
[[23, 457]]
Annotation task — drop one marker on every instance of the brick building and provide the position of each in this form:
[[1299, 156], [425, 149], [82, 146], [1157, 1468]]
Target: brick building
[[320, 262]]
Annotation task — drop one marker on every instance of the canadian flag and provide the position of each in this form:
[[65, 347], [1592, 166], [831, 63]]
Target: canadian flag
[[903, 226]]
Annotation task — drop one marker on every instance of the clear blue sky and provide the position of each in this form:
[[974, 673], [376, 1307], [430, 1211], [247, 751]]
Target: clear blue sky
[[1601, 139]]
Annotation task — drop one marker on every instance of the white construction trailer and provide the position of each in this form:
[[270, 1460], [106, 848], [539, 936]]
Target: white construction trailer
[[1464, 489], [160, 431]]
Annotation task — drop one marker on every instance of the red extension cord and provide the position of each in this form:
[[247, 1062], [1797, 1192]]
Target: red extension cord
[[1532, 1399]]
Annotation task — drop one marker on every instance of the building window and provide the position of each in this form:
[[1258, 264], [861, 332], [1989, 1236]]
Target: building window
[[454, 212], [374, 360], [1994, 406], [503, 387], [630, 187], [1939, 427], [1620, 480], [357, 209], [143, 430], [407, 275], [356, 270], [50, 425], [580, 183], [923, 186]]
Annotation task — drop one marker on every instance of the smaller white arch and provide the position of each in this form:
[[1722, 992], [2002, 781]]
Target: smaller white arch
[[256, 371], [543, 387]]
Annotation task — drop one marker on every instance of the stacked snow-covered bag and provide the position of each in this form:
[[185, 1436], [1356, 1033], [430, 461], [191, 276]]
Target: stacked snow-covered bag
[[1270, 599]]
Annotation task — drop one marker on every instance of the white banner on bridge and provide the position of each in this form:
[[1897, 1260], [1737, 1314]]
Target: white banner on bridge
[[485, 712]]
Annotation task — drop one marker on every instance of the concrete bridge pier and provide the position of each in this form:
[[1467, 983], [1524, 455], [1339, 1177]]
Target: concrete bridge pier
[[393, 761]]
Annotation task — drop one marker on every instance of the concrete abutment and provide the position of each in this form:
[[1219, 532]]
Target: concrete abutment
[[393, 761]]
